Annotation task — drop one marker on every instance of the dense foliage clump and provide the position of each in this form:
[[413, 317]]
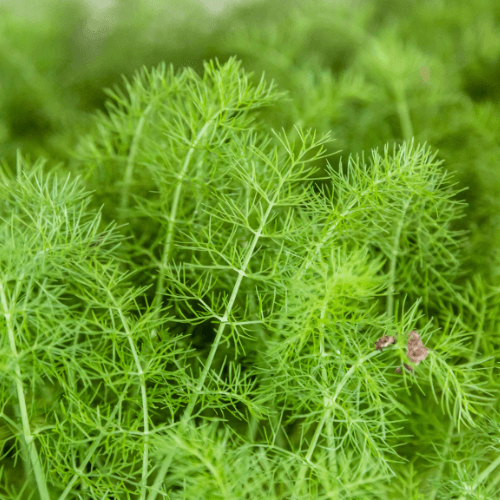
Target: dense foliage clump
[[265, 265]]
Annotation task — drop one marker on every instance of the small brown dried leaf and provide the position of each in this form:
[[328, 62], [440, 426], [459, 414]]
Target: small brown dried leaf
[[416, 350], [407, 367], [383, 342]]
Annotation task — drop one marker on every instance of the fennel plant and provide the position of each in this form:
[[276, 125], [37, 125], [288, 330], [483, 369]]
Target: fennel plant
[[220, 341]]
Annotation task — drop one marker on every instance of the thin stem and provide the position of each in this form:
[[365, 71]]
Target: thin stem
[[393, 262], [279, 438], [142, 381], [487, 472], [131, 157], [437, 480], [329, 425], [28, 437], [92, 449], [173, 212], [225, 318], [24, 451], [253, 424], [483, 476], [479, 332], [252, 428], [165, 465], [403, 112], [145, 415], [326, 415], [224, 321]]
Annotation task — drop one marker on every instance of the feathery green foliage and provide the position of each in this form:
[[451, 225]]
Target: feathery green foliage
[[189, 304]]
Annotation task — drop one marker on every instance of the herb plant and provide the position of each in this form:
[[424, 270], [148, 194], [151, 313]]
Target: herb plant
[[207, 301]]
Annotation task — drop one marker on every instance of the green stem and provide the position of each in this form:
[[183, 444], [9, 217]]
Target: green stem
[[325, 418], [479, 332], [142, 381], [92, 449], [173, 212], [393, 262], [486, 473], [145, 415], [252, 428], [254, 421], [329, 424], [483, 476], [403, 113], [24, 449], [131, 157], [28, 437], [225, 319], [223, 322], [437, 480]]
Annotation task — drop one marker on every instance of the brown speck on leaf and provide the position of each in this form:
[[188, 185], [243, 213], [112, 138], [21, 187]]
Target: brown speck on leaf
[[407, 367], [416, 350], [383, 342]]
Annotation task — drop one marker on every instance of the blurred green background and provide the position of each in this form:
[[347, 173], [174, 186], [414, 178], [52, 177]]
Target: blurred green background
[[370, 71]]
